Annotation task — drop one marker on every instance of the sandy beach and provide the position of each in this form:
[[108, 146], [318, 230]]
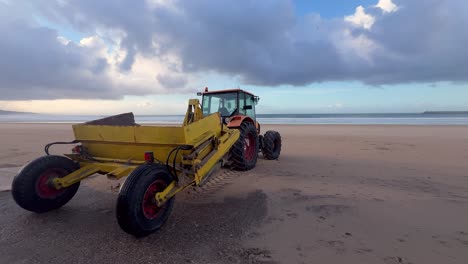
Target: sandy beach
[[338, 194]]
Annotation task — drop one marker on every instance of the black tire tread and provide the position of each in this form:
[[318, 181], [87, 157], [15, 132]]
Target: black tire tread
[[24, 190], [134, 187], [237, 151], [269, 151]]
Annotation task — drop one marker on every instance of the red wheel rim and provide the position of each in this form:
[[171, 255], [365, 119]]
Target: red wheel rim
[[249, 147], [45, 186], [151, 210]]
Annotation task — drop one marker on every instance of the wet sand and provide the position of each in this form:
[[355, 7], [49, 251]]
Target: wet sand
[[338, 194]]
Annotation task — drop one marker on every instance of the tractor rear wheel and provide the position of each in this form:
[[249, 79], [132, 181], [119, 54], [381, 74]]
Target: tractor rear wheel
[[244, 152], [271, 145], [33, 187], [137, 211]]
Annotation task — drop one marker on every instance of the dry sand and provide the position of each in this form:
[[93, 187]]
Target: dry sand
[[338, 194]]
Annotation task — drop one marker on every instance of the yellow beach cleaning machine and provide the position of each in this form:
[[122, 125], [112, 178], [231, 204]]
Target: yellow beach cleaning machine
[[160, 161]]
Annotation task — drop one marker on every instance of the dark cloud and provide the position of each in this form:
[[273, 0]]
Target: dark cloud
[[260, 42], [264, 44], [171, 80], [424, 41], [134, 19], [35, 65], [253, 40]]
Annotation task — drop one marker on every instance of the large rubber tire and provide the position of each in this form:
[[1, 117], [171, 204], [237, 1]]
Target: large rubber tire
[[244, 152], [271, 145], [32, 188], [137, 212]]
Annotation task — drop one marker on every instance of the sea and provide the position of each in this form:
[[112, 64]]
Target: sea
[[287, 119]]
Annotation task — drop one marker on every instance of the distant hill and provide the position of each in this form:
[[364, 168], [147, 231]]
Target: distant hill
[[446, 112], [3, 112]]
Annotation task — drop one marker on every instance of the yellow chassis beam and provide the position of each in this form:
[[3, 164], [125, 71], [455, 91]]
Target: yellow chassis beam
[[112, 170]]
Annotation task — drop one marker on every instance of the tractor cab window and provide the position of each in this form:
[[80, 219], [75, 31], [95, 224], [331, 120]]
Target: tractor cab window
[[224, 103], [247, 105], [250, 106]]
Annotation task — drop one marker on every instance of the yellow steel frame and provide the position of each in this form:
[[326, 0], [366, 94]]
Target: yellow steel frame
[[116, 151]]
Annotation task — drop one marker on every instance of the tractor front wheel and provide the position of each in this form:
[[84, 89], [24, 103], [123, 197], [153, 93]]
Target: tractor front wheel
[[244, 152], [33, 187], [137, 211], [271, 145]]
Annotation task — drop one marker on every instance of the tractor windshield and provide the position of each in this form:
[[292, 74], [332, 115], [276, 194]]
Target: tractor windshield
[[224, 103]]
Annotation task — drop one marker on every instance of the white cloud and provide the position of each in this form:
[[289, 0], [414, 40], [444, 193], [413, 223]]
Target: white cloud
[[92, 42], [354, 46], [360, 18], [63, 40], [387, 6], [161, 3]]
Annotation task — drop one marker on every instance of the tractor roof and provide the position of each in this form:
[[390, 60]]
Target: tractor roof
[[228, 91]]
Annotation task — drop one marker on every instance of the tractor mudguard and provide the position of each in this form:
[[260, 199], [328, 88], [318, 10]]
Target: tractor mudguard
[[237, 120]]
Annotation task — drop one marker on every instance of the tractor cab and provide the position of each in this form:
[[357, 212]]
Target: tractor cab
[[237, 110], [229, 103]]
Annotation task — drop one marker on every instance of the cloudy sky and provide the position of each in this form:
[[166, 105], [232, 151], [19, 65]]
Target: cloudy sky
[[299, 56]]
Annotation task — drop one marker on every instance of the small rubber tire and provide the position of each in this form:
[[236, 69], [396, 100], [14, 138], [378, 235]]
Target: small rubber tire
[[32, 188], [243, 155], [271, 145], [132, 201]]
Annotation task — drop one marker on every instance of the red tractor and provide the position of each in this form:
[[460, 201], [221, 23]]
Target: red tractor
[[237, 109]]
